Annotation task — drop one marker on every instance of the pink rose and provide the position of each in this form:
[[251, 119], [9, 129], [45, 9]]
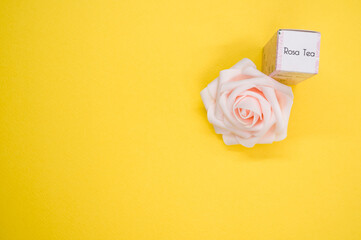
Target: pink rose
[[246, 106]]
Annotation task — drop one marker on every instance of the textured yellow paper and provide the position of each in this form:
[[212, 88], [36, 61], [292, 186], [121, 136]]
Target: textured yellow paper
[[103, 134]]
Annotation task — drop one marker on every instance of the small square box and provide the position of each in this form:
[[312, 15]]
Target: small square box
[[292, 56]]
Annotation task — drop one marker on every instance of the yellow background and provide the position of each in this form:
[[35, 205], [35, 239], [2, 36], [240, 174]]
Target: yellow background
[[103, 134]]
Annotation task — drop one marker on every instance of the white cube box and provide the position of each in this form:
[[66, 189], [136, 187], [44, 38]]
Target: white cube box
[[292, 56]]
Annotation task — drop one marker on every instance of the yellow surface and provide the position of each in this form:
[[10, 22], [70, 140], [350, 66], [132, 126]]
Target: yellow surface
[[103, 134]]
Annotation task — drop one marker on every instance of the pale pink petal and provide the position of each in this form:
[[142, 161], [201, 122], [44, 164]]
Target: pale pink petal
[[264, 104], [219, 130], [249, 103], [219, 123], [281, 124], [248, 142], [224, 76], [244, 133], [207, 98], [227, 112], [269, 137], [228, 75], [230, 139], [212, 88]]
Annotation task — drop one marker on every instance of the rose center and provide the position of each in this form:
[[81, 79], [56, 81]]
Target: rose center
[[247, 110]]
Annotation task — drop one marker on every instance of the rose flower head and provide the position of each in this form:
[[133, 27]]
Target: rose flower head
[[246, 106]]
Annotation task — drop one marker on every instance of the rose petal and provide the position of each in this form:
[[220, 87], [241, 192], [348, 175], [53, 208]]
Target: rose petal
[[207, 98], [230, 139], [248, 142], [227, 112], [250, 103], [228, 75], [271, 97], [215, 121], [244, 63], [269, 137]]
